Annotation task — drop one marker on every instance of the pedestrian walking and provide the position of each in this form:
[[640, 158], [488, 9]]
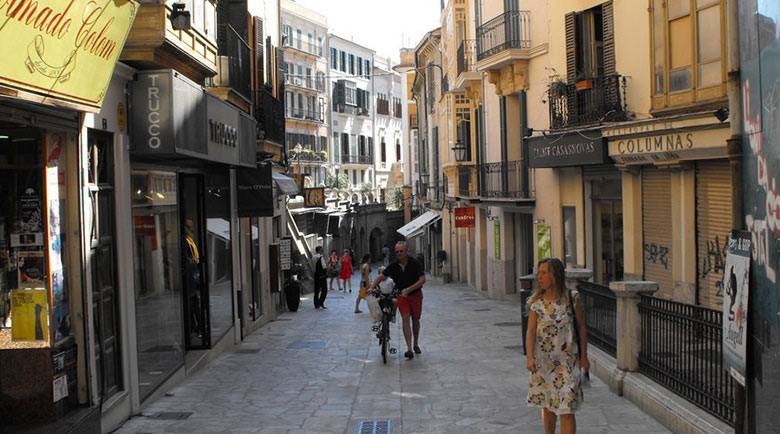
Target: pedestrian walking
[[409, 278], [557, 346], [346, 271], [365, 280], [320, 279], [385, 255], [333, 269]]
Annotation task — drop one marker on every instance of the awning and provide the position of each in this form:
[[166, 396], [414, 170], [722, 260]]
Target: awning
[[285, 184], [416, 226]]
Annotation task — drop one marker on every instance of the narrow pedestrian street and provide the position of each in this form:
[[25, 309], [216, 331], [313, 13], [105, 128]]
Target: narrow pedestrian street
[[320, 371]]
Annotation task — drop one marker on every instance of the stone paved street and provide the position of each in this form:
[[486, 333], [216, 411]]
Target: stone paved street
[[320, 371]]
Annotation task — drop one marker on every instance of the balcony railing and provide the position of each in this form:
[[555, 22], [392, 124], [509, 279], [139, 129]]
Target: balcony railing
[[234, 65], [306, 157], [308, 115], [357, 159], [505, 180], [466, 53], [587, 102], [313, 83], [467, 180], [508, 30], [269, 113], [382, 107]]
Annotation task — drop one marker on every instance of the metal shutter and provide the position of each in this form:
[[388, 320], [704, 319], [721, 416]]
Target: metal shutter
[[714, 195], [657, 229], [571, 47]]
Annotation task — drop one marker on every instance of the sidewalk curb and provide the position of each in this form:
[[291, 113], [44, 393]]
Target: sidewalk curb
[[669, 409]]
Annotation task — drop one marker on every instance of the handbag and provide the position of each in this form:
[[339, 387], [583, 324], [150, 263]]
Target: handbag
[[332, 271]]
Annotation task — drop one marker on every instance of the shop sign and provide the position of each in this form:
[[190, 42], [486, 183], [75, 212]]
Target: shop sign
[[497, 239], [464, 217], [285, 253], [63, 49], [735, 303], [543, 241], [314, 197], [570, 149], [255, 191], [678, 144], [30, 315]]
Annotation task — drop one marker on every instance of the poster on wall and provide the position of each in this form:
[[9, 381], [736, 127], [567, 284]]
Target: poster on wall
[[55, 196], [543, 241], [30, 315], [735, 303], [285, 253], [30, 270], [497, 239]]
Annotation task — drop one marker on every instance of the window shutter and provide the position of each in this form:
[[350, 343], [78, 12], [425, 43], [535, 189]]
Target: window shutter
[[259, 62], [571, 46], [340, 91], [609, 38]]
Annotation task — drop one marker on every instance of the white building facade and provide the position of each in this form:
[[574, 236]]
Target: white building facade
[[389, 127]]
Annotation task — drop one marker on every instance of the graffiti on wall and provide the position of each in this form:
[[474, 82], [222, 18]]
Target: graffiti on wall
[[657, 254]]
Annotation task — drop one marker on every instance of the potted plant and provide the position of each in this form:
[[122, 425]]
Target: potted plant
[[583, 83], [323, 155], [557, 88]]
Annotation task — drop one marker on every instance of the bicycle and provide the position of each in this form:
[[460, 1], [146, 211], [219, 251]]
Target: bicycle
[[383, 328]]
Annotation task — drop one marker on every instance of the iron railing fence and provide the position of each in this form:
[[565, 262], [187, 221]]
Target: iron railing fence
[[682, 350], [357, 159], [467, 180], [269, 113], [600, 305], [308, 115], [234, 68], [466, 52], [505, 179], [590, 101], [509, 30], [307, 157]]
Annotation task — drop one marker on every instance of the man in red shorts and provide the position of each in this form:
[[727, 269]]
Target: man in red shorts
[[409, 277]]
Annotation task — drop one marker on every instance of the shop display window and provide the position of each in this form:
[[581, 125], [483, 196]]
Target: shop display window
[[219, 254], [157, 271], [34, 295]]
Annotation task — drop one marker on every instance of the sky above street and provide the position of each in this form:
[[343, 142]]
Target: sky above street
[[379, 25]]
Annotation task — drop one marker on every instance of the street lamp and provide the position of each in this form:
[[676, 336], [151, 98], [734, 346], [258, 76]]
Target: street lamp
[[460, 151]]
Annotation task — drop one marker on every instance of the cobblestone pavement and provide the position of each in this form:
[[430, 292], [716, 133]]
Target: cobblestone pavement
[[320, 371]]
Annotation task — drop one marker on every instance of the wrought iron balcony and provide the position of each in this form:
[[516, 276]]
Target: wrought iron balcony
[[588, 101], [466, 58], [307, 115], [306, 156], [467, 180], [509, 30], [357, 159], [234, 63], [505, 180], [269, 113]]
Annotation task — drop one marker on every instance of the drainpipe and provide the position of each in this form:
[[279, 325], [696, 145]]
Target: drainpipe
[[734, 147]]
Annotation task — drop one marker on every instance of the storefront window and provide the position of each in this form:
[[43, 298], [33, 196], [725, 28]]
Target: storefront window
[[219, 254], [570, 235], [157, 273]]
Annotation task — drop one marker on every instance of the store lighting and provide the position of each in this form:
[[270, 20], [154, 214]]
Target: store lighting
[[180, 19], [460, 152]]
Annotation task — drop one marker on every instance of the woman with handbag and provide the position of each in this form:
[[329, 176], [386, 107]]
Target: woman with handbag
[[333, 269], [346, 271], [557, 346]]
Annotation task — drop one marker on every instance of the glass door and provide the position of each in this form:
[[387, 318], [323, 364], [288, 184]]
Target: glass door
[[196, 306]]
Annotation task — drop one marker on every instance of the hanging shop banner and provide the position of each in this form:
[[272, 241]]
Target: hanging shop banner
[[63, 49], [735, 303], [497, 239], [543, 241], [30, 315], [255, 191], [464, 217], [314, 197]]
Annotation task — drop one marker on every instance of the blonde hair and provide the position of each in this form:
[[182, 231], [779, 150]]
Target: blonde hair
[[559, 279]]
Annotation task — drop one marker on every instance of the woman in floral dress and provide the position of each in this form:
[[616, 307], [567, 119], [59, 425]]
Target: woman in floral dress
[[554, 359]]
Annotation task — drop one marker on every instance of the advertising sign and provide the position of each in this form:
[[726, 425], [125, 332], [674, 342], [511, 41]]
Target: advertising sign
[[567, 150], [314, 197], [285, 253], [543, 241], [255, 191], [30, 315], [464, 217], [63, 49], [497, 239], [735, 303]]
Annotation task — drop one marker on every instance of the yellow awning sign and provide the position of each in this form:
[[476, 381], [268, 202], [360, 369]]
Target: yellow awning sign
[[29, 315], [63, 49]]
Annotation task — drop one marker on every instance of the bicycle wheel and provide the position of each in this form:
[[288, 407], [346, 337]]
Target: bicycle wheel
[[384, 336]]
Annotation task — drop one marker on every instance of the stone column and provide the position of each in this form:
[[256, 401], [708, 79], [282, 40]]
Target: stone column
[[629, 323], [576, 275]]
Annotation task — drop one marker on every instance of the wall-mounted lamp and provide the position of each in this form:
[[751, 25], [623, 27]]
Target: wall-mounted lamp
[[539, 221], [490, 215], [460, 152], [180, 19]]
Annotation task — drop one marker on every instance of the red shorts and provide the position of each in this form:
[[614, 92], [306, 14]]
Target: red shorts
[[410, 304]]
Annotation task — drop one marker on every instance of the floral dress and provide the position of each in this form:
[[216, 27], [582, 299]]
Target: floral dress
[[556, 383]]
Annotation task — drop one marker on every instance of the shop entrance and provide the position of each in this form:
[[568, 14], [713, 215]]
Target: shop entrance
[[196, 306], [607, 231]]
